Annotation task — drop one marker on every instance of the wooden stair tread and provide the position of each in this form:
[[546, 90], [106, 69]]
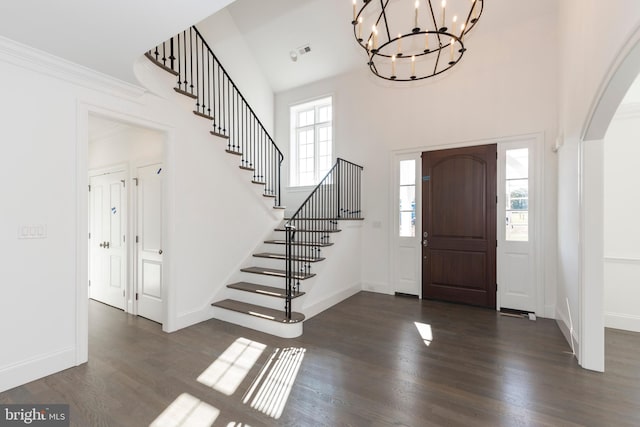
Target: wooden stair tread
[[304, 230], [284, 242], [272, 255], [199, 114], [185, 93], [263, 290], [237, 153], [247, 168], [275, 272], [160, 64], [214, 133], [258, 311]]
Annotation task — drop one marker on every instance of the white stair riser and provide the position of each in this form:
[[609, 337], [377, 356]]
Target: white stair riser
[[284, 330], [267, 262], [277, 282], [264, 300]]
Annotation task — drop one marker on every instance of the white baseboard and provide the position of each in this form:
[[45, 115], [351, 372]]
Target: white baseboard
[[189, 319], [563, 324], [625, 322], [36, 367], [320, 306], [550, 311], [381, 288]]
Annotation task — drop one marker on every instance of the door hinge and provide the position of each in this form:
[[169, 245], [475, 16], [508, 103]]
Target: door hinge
[[89, 188], [123, 293], [136, 239], [89, 283], [89, 235], [124, 238], [136, 181], [136, 296]]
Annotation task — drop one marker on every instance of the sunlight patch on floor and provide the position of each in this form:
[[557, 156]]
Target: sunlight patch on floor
[[185, 411], [425, 332], [270, 390], [228, 371]]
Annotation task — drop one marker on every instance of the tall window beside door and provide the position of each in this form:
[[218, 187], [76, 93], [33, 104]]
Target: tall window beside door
[[517, 193], [311, 141], [407, 198]]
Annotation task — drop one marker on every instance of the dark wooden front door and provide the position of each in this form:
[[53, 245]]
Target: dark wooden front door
[[459, 225]]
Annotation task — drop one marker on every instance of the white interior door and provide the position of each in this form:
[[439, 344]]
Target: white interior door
[[516, 274], [108, 252], [406, 238], [149, 242]]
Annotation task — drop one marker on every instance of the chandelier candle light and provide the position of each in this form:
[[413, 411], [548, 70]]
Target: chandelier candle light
[[419, 50]]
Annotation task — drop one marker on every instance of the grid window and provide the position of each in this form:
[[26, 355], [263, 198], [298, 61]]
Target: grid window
[[407, 203], [311, 142], [517, 195]]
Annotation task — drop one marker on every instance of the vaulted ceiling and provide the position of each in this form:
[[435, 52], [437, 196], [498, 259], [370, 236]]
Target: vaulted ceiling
[[107, 36]]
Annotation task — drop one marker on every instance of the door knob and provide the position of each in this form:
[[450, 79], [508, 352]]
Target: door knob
[[102, 245], [160, 252]]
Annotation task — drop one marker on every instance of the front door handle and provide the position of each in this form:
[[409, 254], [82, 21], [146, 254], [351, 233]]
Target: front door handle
[[425, 243]]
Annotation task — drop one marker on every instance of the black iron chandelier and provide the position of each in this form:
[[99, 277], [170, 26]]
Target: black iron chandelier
[[409, 40]]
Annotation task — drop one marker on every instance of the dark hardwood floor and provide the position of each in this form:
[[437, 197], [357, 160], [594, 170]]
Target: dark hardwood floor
[[361, 363]]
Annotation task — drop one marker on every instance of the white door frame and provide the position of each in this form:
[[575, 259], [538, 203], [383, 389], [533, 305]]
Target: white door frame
[[395, 238], [534, 143], [537, 174], [82, 219], [122, 167]]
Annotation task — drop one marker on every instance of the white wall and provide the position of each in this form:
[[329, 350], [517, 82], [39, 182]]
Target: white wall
[[126, 145], [499, 89], [229, 46], [213, 211], [621, 225], [586, 59]]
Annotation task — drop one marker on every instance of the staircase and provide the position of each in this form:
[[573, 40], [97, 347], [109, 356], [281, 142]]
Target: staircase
[[290, 257], [266, 294], [201, 77], [258, 298]]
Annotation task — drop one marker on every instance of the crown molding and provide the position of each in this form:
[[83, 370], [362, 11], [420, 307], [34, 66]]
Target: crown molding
[[42, 62]]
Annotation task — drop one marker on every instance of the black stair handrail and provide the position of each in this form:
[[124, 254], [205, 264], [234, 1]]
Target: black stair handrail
[[201, 76], [337, 196]]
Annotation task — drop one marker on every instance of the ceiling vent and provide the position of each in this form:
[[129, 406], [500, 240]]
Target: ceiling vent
[[299, 51]]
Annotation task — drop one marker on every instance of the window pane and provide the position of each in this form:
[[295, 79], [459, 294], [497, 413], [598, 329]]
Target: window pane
[[517, 226], [324, 113], [407, 172], [517, 195], [408, 198], [517, 163], [407, 224]]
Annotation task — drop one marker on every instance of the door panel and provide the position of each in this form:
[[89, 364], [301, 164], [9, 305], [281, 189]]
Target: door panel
[[108, 266], [459, 221], [149, 254]]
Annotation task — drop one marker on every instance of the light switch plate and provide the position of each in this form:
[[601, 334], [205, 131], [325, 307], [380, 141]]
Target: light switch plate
[[37, 231]]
